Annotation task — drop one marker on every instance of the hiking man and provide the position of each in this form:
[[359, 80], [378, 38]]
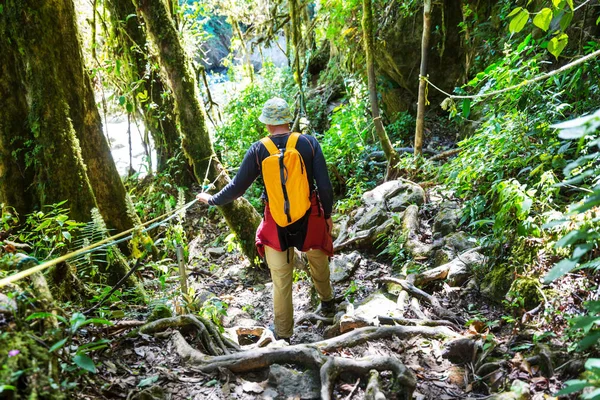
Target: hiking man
[[297, 212]]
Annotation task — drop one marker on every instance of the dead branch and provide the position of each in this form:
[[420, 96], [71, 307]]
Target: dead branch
[[445, 154]]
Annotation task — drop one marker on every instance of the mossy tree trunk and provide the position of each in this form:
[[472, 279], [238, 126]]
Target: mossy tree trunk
[[35, 28], [241, 217], [71, 158], [422, 83], [130, 46], [296, 66], [367, 24], [15, 178]]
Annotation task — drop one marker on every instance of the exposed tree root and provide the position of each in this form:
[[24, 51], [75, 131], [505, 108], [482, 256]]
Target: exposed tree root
[[416, 322], [212, 340], [310, 355], [374, 388], [437, 309]]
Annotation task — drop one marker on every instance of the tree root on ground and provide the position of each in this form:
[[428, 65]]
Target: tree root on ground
[[374, 388], [310, 355], [436, 307], [416, 322], [212, 340]]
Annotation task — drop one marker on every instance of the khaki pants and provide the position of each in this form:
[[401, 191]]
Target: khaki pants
[[282, 276]]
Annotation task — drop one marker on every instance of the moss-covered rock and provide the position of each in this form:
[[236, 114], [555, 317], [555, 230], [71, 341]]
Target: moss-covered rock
[[527, 289], [497, 281], [159, 312]]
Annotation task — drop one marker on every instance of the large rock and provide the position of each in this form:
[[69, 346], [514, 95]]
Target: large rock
[[375, 305], [461, 268], [373, 217], [459, 242], [395, 195], [447, 218], [343, 266], [286, 383]]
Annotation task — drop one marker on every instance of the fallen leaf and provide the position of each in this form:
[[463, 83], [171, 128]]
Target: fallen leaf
[[148, 381]]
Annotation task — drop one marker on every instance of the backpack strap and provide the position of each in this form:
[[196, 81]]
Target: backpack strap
[[292, 140], [268, 143]]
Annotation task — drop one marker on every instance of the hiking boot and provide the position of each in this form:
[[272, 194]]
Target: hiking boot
[[277, 337], [327, 308]]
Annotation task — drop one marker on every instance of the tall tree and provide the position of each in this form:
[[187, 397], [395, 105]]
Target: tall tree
[[145, 89], [70, 156], [296, 67], [367, 24], [422, 73], [241, 217], [15, 178]]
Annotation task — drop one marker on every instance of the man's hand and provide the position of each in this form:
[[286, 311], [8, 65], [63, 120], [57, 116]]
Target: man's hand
[[203, 197], [329, 223]]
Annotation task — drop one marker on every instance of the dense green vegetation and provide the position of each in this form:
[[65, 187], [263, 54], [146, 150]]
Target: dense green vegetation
[[508, 138]]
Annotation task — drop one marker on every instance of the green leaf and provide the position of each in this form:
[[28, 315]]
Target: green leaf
[[566, 19], [77, 319], [569, 239], [588, 341], [557, 44], [598, 21], [66, 235], [466, 108], [570, 3], [58, 345], [40, 315], [559, 4], [6, 387], [1, 8], [129, 107], [543, 18], [561, 268], [122, 100], [85, 362], [572, 386], [518, 22], [514, 12], [130, 16], [148, 381], [593, 395], [592, 363]]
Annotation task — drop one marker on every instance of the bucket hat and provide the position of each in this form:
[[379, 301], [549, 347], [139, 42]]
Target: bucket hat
[[276, 112]]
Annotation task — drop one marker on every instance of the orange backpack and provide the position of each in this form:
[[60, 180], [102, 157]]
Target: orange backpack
[[286, 181]]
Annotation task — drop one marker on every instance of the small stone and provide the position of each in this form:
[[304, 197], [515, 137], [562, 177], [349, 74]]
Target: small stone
[[461, 268], [461, 351], [397, 194], [216, 252]]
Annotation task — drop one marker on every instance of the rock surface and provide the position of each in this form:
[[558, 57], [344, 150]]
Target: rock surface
[[447, 218], [286, 383], [343, 266]]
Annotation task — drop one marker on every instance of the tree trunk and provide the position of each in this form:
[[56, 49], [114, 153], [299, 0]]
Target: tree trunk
[[241, 217], [367, 24], [244, 47], [297, 69], [37, 29], [131, 47], [15, 178], [422, 83], [72, 158]]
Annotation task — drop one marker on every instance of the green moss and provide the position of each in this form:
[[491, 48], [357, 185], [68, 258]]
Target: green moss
[[26, 371], [527, 289], [159, 312], [497, 281]]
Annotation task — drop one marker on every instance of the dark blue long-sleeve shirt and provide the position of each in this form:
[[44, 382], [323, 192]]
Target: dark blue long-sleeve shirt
[[316, 171]]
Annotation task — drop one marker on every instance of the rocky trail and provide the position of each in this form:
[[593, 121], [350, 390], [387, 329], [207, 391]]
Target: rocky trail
[[414, 327]]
